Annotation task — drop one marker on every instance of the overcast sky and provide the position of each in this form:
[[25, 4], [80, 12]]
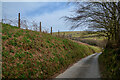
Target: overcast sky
[[49, 13]]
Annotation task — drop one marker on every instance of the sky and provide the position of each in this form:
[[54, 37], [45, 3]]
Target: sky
[[48, 13]]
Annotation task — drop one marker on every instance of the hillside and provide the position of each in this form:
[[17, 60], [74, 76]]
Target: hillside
[[89, 37], [31, 54]]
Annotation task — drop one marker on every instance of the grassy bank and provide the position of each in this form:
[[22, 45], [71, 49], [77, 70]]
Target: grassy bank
[[110, 63], [31, 54]]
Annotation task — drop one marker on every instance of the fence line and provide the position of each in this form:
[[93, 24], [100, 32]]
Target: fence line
[[23, 23]]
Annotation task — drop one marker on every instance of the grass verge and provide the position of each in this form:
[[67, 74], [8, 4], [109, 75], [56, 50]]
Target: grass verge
[[31, 54]]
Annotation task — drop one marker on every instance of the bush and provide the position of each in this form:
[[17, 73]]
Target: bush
[[110, 63]]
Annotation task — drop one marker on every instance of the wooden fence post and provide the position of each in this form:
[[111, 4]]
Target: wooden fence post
[[19, 20], [40, 26], [51, 30]]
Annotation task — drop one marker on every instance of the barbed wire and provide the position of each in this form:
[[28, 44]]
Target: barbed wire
[[25, 24]]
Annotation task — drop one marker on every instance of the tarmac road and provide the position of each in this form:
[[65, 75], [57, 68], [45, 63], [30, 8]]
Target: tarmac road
[[87, 67]]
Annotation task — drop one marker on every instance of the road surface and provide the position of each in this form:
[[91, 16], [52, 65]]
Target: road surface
[[87, 67]]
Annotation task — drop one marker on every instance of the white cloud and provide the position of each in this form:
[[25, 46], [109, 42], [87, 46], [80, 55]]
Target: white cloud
[[12, 9], [54, 19], [48, 19]]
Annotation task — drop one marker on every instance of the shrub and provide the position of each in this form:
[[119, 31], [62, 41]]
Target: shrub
[[110, 63]]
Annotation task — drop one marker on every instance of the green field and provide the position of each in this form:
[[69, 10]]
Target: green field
[[31, 54], [89, 37], [82, 34]]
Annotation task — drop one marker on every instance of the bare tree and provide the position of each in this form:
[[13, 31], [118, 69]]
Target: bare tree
[[101, 16]]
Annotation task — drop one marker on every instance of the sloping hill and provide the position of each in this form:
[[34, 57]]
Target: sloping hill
[[89, 37], [31, 54]]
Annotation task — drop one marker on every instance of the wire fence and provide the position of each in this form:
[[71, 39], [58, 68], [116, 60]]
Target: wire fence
[[25, 23]]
